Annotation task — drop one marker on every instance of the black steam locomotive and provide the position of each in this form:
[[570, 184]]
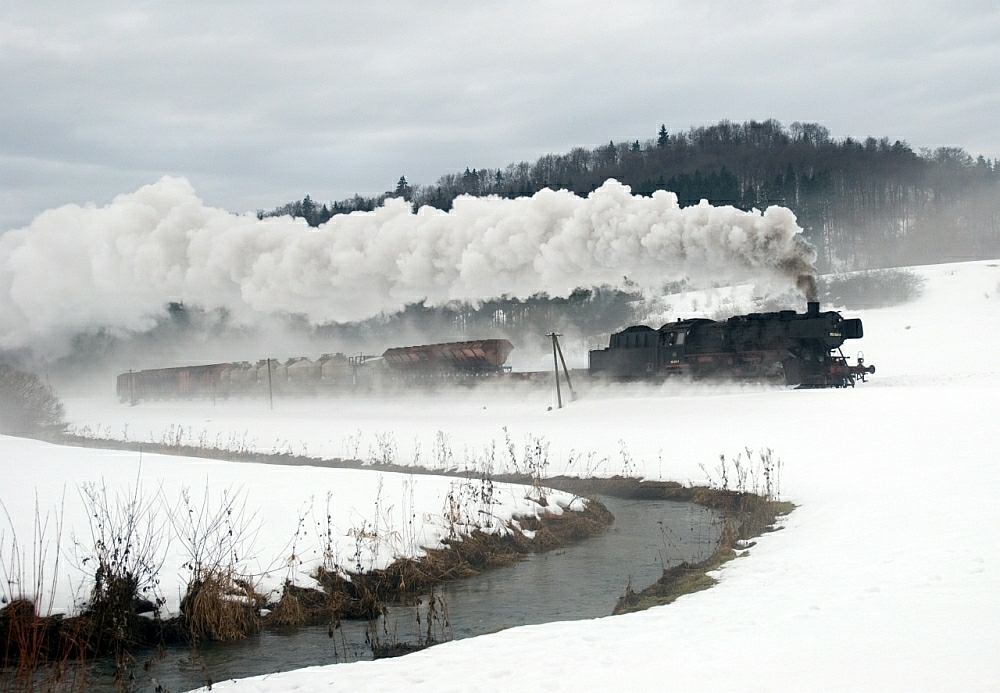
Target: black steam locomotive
[[800, 349]]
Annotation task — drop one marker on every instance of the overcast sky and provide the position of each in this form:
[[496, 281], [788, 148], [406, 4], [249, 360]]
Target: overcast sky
[[259, 103]]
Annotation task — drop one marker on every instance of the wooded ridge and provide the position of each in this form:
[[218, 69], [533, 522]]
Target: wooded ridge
[[863, 203]]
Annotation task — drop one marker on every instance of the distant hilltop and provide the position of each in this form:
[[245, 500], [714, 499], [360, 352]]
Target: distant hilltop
[[864, 203]]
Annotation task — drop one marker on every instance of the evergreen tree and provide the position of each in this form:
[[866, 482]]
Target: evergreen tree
[[308, 210], [403, 189]]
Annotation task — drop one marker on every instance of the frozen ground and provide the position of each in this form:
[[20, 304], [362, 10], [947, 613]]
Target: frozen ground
[[885, 577], [294, 519]]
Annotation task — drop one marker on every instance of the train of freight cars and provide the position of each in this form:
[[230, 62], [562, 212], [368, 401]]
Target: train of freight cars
[[331, 372], [800, 349]]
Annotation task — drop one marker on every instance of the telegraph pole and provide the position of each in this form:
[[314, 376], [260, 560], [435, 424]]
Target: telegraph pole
[[270, 389], [572, 394], [555, 364]]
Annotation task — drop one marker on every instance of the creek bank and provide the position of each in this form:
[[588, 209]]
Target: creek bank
[[221, 607], [579, 581], [363, 595], [235, 611], [748, 515]]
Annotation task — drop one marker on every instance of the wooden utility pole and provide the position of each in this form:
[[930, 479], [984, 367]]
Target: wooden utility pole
[[572, 394], [270, 389], [555, 364]]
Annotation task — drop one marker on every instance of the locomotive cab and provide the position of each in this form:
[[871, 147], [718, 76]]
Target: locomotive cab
[[672, 348], [851, 329]]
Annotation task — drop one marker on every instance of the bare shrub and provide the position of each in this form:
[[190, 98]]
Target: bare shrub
[[385, 451], [433, 627], [325, 530], [443, 455], [747, 473], [221, 602], [27, 405], [585, 466], [127, 547], [351, 444], [534, 462], [30, 637], [470, 504], [748, 488], [727, 308]]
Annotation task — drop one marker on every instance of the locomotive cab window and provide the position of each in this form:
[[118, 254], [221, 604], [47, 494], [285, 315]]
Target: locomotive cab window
[[680, 338]]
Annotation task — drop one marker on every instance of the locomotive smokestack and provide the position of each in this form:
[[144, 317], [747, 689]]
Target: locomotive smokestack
[[806, 283], [812, 308]]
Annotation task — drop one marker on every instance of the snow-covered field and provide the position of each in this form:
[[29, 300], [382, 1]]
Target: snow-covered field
[[885, 578]]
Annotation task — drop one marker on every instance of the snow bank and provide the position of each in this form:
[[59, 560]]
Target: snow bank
[[76, 269], [297, 517]]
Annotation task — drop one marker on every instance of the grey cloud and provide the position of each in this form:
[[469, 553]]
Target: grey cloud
[[258, 103]]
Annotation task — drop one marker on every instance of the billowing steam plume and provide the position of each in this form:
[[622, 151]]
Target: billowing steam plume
[[75, 269]]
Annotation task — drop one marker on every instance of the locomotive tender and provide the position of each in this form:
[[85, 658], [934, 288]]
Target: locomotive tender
[[797, 348]]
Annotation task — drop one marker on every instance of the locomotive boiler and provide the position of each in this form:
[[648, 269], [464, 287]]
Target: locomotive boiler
[[800, 349]]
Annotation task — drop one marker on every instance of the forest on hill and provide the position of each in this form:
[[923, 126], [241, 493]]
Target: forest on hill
[[864, 204]]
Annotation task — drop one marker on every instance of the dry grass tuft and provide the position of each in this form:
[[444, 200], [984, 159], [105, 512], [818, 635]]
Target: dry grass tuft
[[288, 611], [221, 607], [36, 651]]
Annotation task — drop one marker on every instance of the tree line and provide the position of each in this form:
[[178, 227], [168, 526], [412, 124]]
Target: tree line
[[864, 203]]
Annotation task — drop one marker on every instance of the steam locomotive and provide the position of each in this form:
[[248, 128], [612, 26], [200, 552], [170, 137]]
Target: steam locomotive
[[800, 349]]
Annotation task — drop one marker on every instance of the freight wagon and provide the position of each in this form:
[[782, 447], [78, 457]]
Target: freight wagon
[[453, 361]]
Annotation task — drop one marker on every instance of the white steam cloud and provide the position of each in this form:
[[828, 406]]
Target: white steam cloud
[[75, 269]]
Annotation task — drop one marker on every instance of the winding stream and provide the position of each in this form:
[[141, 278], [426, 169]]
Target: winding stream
[[576, 582]]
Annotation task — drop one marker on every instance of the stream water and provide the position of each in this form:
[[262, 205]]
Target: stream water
[[575, 582]]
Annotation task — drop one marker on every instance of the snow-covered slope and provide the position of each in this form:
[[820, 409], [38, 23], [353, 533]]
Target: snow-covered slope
[[884, 579]]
